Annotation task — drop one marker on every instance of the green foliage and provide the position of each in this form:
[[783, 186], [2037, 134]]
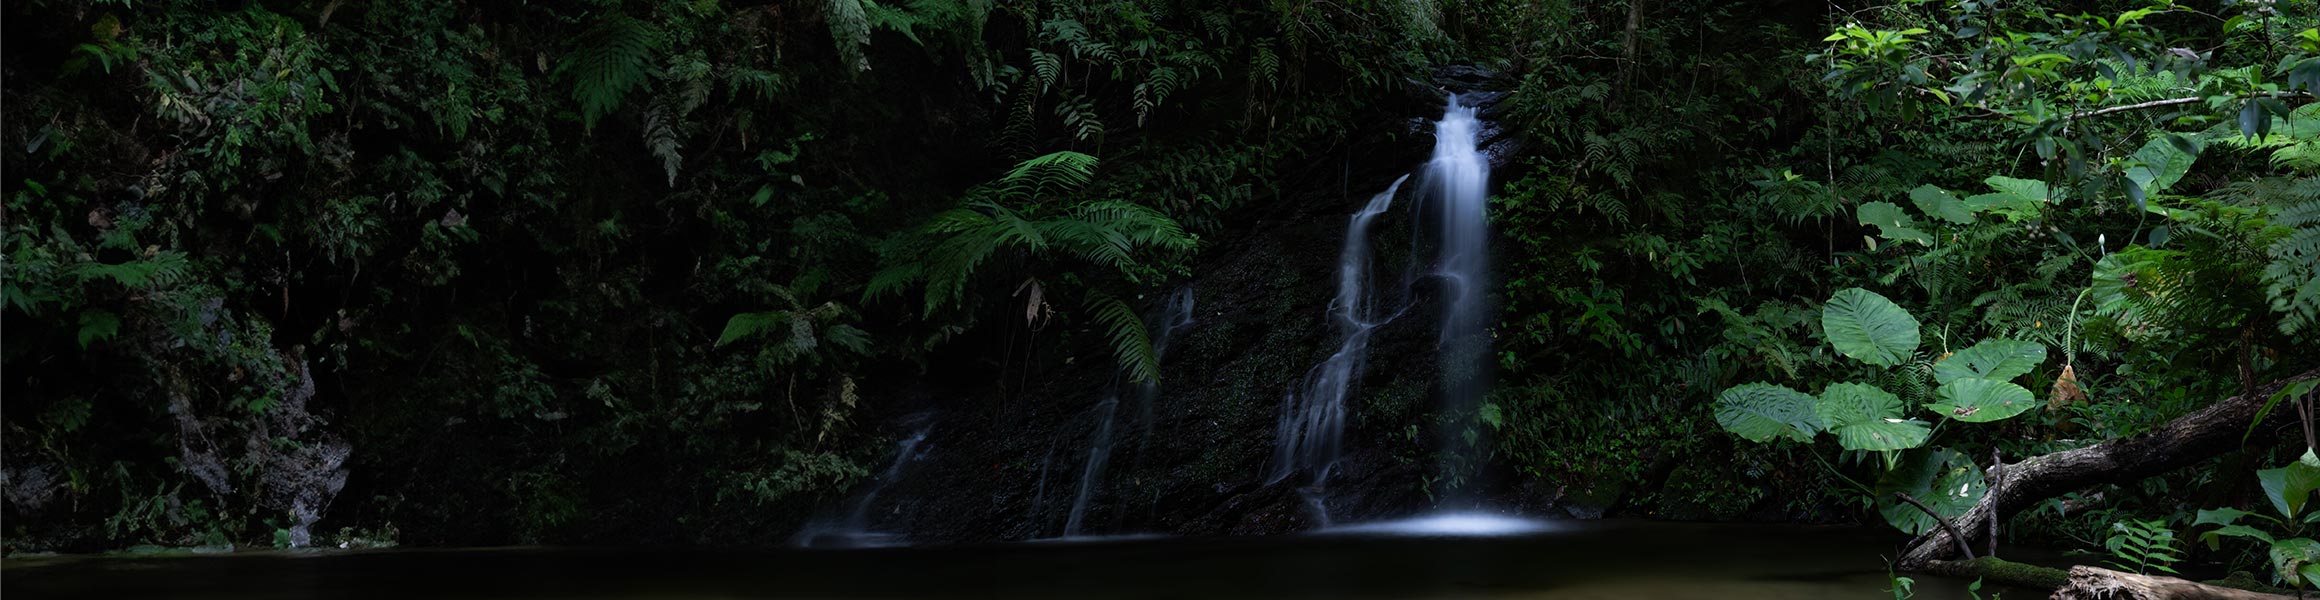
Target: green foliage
[[2143, 547], [1982, 400], [2292, 277], [1131, 343], [613, 58], [1944, 480], [1760, 412], [1866, 418], [2290, 487], [1028, 217], [1865, 326]]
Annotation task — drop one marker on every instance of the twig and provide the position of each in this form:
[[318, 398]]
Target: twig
[[1968, 551], [2172, 102]]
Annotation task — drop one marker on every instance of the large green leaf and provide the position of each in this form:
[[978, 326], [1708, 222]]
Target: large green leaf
[[2290, 487], [1868, 327], [1883, 435], [1760, 412], [1982, 400], [2291, 556], [1940, 204], [2160, 163], [2218, 516], [1891, 222], [2214, 539], [1998, 360], [1944, 480], [1867, 418], [1843, 404], [2017, 199]]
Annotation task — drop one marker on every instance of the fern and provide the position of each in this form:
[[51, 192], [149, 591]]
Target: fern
[[607, 62], [660, 137], [1064, 170], [1131, 343], [947, 253], [157, 271], [1079, 114], [1074, 35], [1265, 66], [2292, 277], [850, 29], [1048, 67]]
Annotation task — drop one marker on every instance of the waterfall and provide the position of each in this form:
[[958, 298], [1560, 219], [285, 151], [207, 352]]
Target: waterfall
[[854, 530], [1459, 176], [1454, 190], [1313, 418], [1175, 315]]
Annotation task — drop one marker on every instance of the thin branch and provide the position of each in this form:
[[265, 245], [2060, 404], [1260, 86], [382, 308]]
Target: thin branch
[[2173, 102], [1968, 551]]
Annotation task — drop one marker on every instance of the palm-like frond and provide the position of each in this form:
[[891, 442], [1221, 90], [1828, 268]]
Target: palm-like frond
[[607, 62], [1131, 343]]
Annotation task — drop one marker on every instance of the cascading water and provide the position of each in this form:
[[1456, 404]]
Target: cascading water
[[1313, 418], [854, 530], [1454, 193], [1458, 178], [1176, 314]]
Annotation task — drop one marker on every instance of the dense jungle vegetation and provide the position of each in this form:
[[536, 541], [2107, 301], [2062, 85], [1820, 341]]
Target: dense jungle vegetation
[[441, 273]]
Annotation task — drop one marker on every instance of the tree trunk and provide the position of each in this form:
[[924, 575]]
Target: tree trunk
[[2203, 434], [1627, 66], [2090, 583]]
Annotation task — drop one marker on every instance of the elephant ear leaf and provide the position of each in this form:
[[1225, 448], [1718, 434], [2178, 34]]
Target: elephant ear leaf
[[1944, 480], [1982, 400], [1867, 327], [1762, 411], [1867, 418], [2290, 487], [1996, 360]]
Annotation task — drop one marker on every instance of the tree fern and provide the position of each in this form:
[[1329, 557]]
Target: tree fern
[[1016, 217], [607, 62]]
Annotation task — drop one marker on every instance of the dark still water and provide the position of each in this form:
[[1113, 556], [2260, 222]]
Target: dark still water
[[1562, 561]]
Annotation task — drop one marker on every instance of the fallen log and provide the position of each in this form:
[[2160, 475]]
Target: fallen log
[[2002, 572], [2203, 434], [2092, 583]]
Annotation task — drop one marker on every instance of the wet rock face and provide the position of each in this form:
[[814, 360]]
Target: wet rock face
[[1006, 464]]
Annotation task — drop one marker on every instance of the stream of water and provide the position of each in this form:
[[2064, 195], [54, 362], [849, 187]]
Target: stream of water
[[855, 529], [1570, 561], [1455, 196], [1458, 179]]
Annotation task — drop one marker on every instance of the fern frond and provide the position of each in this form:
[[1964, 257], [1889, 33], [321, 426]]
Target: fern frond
[[660, 137], [1060, 171], [160, 270], [1048, 68], [1079, 114], [750, 324], [2292, 277], [850, 28], [1265, 66], [1131, 342], [607, 62]]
